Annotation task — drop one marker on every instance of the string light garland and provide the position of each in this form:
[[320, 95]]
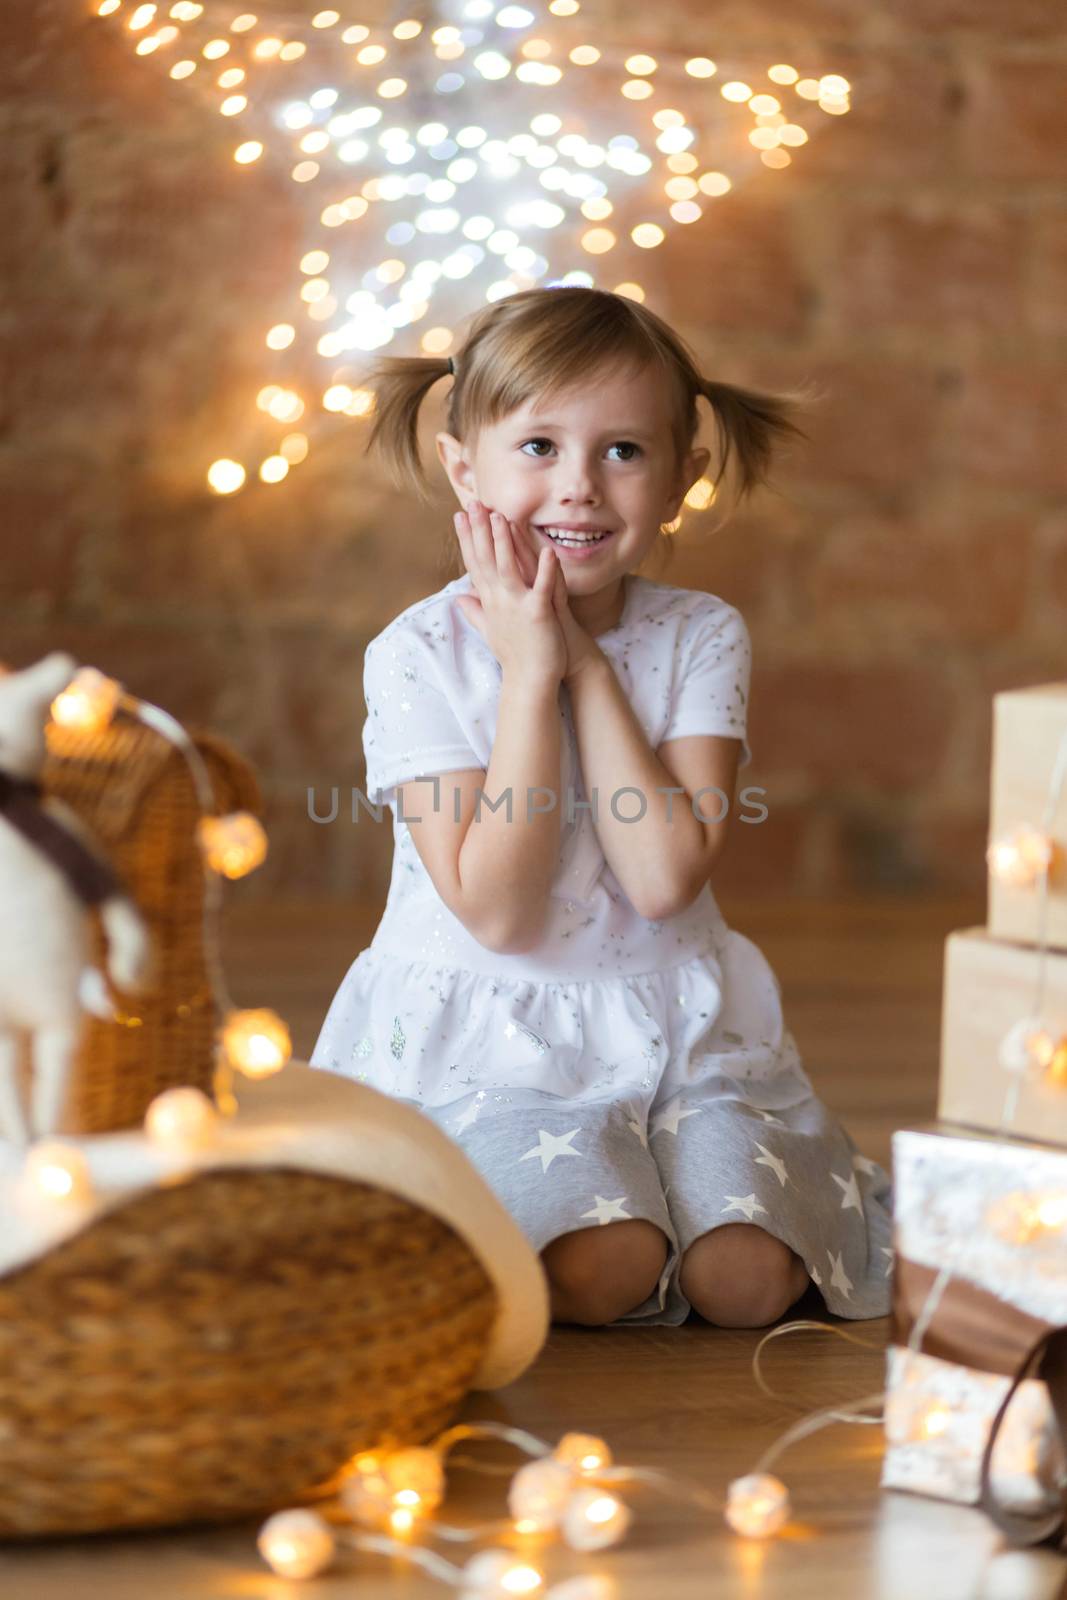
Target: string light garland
[[253, 1042], [457, 154]]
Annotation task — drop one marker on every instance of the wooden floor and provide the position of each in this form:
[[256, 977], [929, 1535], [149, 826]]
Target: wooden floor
[[861, 983]]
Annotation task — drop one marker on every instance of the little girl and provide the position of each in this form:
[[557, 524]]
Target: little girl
[[552, 980]]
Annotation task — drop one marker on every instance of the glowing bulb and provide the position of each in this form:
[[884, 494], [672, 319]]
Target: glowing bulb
[[593, 1520], [934, 1421], [1028, 1046], [294, 447], [226, 477], [256, 1042], [337, 397], [233, 105], [251, 150], [296, 1544], [640, 66], [88, 703], [598, 240], [1020, 858], [496, 1575], [242, 23], [273, 469], [233, 845], [182, 69], [632, 291], [647, 235], [757, 1505], [583, 1451], [701, 67], [539, 1491], [58, 1171], [281, 336], [215, 48], [182, 1119]]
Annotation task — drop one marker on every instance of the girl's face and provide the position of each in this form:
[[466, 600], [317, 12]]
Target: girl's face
[[595, 459]]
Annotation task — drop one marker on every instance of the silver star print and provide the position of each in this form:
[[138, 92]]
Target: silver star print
[[863, 1164], [397, 1042]]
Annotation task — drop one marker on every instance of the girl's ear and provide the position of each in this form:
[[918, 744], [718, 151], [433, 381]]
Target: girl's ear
[[453, 458], [693, 468]]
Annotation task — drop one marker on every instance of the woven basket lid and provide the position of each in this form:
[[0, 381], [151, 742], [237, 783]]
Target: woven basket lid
[[307, 1118]]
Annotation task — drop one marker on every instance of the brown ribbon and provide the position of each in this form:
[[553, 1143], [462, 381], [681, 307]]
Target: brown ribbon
[[92, 880], [972, 1327]]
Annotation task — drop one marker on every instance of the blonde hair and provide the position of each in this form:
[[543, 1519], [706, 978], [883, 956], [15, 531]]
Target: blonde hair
[[537, 341]]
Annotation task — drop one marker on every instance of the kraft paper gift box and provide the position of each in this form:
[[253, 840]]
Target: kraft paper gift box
[[1029, 732], [989, 987], [977, 1412]]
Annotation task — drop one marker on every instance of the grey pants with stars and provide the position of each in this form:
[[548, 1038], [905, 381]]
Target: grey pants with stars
[[702, 1157]]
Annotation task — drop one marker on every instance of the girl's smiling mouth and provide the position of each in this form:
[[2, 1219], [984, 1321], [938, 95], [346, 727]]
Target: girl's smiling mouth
[[581, 542]]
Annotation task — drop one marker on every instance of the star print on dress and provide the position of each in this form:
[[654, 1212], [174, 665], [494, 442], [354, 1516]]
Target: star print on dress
[[863, 1164], [637, 1127], [667, 1120], [768, 1117], [850, 1197], [468, 1114], [813, 1274], [746, 1203], [777, 1166], [889, 1264], [550, 1146], [609, 1210], [839, 1279]]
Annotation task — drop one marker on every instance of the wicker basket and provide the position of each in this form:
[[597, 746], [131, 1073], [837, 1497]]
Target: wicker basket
[[135, 791], [221, 1347]]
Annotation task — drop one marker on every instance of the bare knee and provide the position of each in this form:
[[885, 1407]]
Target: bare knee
[[598, 1274], [739, 1276]]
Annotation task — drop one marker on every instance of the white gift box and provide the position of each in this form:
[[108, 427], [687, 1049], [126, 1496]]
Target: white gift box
[[983, 1221]]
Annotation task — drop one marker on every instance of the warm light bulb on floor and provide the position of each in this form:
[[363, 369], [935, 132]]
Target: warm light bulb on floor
[[88, 703], [757, 1505], [539, 1492], [593, 1519], [496, 1575], [1028, 1046], [583, 1451], [296, 1543]]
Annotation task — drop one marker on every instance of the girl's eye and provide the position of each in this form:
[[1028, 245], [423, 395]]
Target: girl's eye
[[625, 444]]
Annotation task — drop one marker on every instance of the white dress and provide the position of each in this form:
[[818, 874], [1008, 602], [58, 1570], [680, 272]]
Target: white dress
[[624, 1067]]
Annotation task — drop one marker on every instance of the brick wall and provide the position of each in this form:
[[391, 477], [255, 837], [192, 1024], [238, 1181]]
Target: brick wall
[[908, 564]]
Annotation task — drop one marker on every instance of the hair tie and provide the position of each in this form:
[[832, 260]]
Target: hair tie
[[451, 365]]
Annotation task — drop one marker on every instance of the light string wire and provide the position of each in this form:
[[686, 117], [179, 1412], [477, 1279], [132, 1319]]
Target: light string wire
[[937, 1289]]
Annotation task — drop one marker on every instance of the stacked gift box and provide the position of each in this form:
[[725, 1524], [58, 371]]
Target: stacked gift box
[[976, 1404]]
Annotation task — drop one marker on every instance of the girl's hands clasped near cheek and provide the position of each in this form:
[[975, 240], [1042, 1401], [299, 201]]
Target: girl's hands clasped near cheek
[[519, 620]]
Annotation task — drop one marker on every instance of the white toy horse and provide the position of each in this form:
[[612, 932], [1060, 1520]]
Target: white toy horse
[[51, 871]]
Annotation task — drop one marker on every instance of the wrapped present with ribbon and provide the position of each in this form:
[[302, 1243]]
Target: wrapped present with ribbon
[[976, 1387]]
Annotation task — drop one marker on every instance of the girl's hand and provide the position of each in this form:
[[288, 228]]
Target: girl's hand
[[518, 621], [582, 648]]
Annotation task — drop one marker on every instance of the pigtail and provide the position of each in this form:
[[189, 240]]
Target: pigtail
[[753, 424], [400, 384]]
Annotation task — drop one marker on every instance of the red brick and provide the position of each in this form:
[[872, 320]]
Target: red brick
[[904, 117], [1028, 19], [875, 423], [927, 263], [737, 268], [923, 575], [1014, 117], [1008, 424], [883, 725], [1047, 300]]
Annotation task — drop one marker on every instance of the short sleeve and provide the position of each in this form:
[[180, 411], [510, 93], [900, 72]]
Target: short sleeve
[[415, 724], [711, 678]]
